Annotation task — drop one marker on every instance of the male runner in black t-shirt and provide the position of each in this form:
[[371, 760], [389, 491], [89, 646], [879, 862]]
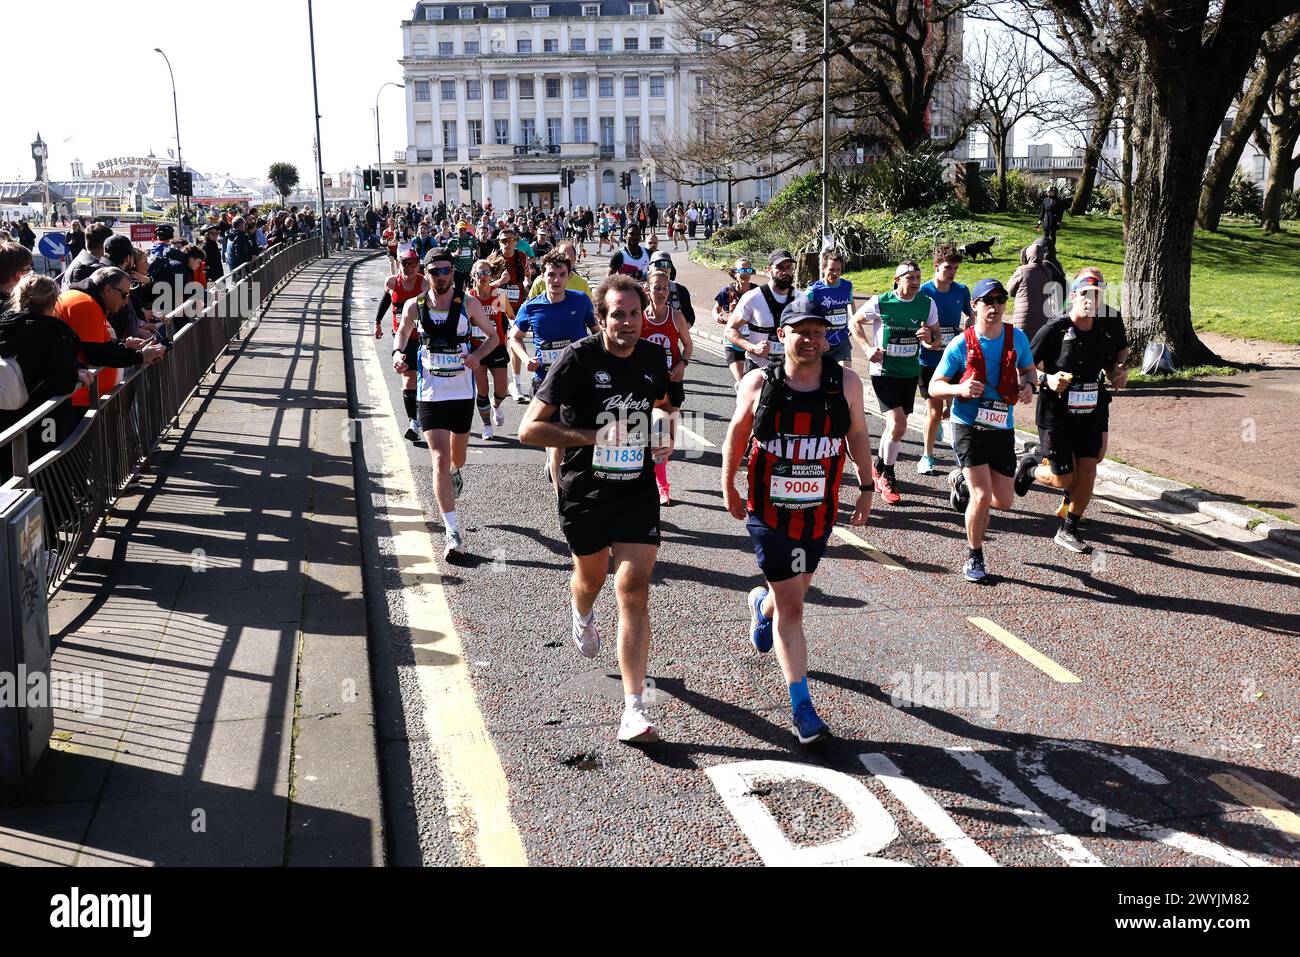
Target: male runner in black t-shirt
[[610, 392]]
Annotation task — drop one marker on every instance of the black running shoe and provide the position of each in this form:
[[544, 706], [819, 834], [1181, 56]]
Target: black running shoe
[[1025, 474], [959, 494]]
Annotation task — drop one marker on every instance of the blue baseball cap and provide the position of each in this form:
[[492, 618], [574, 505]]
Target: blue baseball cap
[[986, 286]]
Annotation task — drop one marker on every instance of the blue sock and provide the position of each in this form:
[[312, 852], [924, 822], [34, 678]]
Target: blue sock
[[799, 693]]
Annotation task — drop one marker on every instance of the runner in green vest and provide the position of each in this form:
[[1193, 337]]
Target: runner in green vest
[[464, 250], [892, 330]]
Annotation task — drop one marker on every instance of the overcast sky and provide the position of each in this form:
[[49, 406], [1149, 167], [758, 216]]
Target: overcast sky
[[243, 80]]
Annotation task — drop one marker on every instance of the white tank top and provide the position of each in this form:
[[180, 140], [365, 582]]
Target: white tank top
[[443, 376]]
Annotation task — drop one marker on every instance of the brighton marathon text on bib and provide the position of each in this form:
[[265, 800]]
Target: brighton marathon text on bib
[[444, 364], [804, 487], [1083, 398], [902, 348], [551, 352], [992, 414], [617, 462]]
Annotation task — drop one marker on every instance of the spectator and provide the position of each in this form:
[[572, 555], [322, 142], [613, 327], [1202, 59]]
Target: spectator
[[88, 260], [1037, 292], [25, 235], [212, 254], [46, 350], [75, 239], [15, 262], [1051, 211], [241, 248]]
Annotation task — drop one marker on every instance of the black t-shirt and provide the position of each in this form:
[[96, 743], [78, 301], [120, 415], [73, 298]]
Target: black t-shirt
[[593, 388], [1060, 347]]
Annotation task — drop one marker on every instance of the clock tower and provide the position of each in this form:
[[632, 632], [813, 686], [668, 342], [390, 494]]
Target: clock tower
[[39, 154]]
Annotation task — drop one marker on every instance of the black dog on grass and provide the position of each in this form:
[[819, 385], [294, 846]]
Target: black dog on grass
[[974, 250]]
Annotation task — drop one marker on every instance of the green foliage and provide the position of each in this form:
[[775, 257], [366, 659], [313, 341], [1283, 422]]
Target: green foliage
[[1105, 199], [1024, 192], [904, 181], [284, 177], [1290, 205], [1244, 197]]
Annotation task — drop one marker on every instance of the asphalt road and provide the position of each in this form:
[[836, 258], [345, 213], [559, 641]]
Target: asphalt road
[[1176, 742]]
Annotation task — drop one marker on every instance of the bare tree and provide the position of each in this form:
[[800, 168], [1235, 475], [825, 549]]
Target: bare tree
[[1279, 140], [1192, 60], [1279, 49], [1004, 73], [888, 58]]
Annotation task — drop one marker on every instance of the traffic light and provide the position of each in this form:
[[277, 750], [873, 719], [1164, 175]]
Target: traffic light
[[626, 180], [368, 180], [464, 177], [187, 183], [437, 179], [174, 180], [568, 177]]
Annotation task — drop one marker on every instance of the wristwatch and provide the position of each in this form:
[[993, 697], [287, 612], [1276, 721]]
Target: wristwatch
[[1042, 379], [866, 487]]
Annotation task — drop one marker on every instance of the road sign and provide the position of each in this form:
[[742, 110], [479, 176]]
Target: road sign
[[428, 197], [52, 246], [144, 232]]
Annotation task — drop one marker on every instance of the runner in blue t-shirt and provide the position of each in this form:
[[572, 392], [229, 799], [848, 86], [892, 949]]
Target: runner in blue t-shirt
[[952, 302], [557, 319], [833, 297], [983, 412]]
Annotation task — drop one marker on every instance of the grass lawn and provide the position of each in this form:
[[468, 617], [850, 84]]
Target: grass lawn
[[1242, 280]]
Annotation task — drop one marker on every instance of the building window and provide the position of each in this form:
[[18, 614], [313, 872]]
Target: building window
[[631, 43], [552, 88], [577, 44], [606, 86], [550, 45], [448, 88], [496, 13], [607, 134], [471, 47], [605, 45], [502, 130], [591, 9], [640, 9], [433, 13], [656, 86], [554, 131], [525, 88], [656, 42], [702, 85], [446, 48], [473, 89], [706, 39], [500, 90], [524, 45], [579, 87], [467, 13], [632, 134], [449, 134], [581, 131], [541, 11], [631, 85], [475, 132], [421, 91], [527, 131]]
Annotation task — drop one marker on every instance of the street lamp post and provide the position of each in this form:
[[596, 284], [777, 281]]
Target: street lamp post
[[177, 113], [315, 98], [826, 119], [379, 149]]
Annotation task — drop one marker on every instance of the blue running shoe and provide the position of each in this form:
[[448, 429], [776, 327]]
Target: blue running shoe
[[809, 728], [760, 628]]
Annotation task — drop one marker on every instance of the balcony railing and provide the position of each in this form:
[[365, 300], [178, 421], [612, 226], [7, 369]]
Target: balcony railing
[[536, 147], [449, 153], [424, 156]]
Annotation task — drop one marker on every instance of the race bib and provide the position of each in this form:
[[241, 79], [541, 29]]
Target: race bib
[[444, 364], [1082, 398], [902, 348], [512, 293], [839, 319], [947, 335], [992, 414], [776, 348], [617, 462], [797, 491], [548, 353]]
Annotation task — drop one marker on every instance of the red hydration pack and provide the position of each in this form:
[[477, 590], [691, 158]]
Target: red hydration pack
[[1009, 378]]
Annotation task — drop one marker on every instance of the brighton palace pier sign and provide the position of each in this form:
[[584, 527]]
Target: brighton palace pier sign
[[128, 166]]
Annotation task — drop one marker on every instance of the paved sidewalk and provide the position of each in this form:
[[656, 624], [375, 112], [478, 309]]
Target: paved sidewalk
[[222, 609]]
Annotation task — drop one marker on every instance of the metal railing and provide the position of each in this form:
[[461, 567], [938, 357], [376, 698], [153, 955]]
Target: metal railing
[[84, 476]]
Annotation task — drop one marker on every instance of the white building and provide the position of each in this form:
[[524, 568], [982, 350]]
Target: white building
[[518, 91]]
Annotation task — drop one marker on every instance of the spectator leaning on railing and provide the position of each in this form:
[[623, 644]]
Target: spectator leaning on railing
[[241, 247], [88, 260], [15, 262], [86, 311]]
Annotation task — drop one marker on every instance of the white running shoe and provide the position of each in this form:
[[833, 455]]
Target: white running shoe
[[635, 727], [586, 637], [453, 548], [487, 430], [499, 416]]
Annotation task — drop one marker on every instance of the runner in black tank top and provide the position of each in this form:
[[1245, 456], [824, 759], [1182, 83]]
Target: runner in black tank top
[[803, 416]]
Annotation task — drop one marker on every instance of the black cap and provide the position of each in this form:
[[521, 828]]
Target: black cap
[[438, 254], [800, 308], [779, 256]]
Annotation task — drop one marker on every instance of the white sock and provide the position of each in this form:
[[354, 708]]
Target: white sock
[[450, 521], [889, 449], [631, 701], [582, 619]]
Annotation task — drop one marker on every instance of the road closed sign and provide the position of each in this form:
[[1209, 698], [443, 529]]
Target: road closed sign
[[144, 232]]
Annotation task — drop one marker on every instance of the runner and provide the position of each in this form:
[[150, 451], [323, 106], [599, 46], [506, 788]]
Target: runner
[[667, 328], [833, 295], [512, 264], [633, 259], [891, 330], [608, 508], [464, 249], [576, 282], [497, 308], [952, 302], [390, 240], [398, 290], [724, 304], [799, 416], [439, 321], [1072, 352], [758, 313], [556, 320], [985, 371], [679, 297]]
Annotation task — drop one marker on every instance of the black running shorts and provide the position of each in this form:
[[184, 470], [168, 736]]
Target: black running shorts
[[780, 557], [893, 392], [975, 446], [592, 528], [454, 415], [1062, 444]]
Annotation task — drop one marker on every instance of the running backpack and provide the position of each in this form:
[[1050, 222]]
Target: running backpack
[[775, 391], [429, 328]]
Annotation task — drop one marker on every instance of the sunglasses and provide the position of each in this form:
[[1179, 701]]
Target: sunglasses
[[745, 271], [440, 271], [994, 300]]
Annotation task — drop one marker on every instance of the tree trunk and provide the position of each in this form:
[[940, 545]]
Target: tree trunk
[[1000, 159], [1092, 157], [1158, 245], [1126, 173], [1281, 174]]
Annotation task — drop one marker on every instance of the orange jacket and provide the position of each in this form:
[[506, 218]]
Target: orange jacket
[[80, 311]]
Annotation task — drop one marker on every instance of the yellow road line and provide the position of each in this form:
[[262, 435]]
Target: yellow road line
[[872, 551], [474, 785], [1262, 800], [1028, 652]]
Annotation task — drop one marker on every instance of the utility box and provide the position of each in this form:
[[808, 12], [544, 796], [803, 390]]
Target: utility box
[[26, 711]]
